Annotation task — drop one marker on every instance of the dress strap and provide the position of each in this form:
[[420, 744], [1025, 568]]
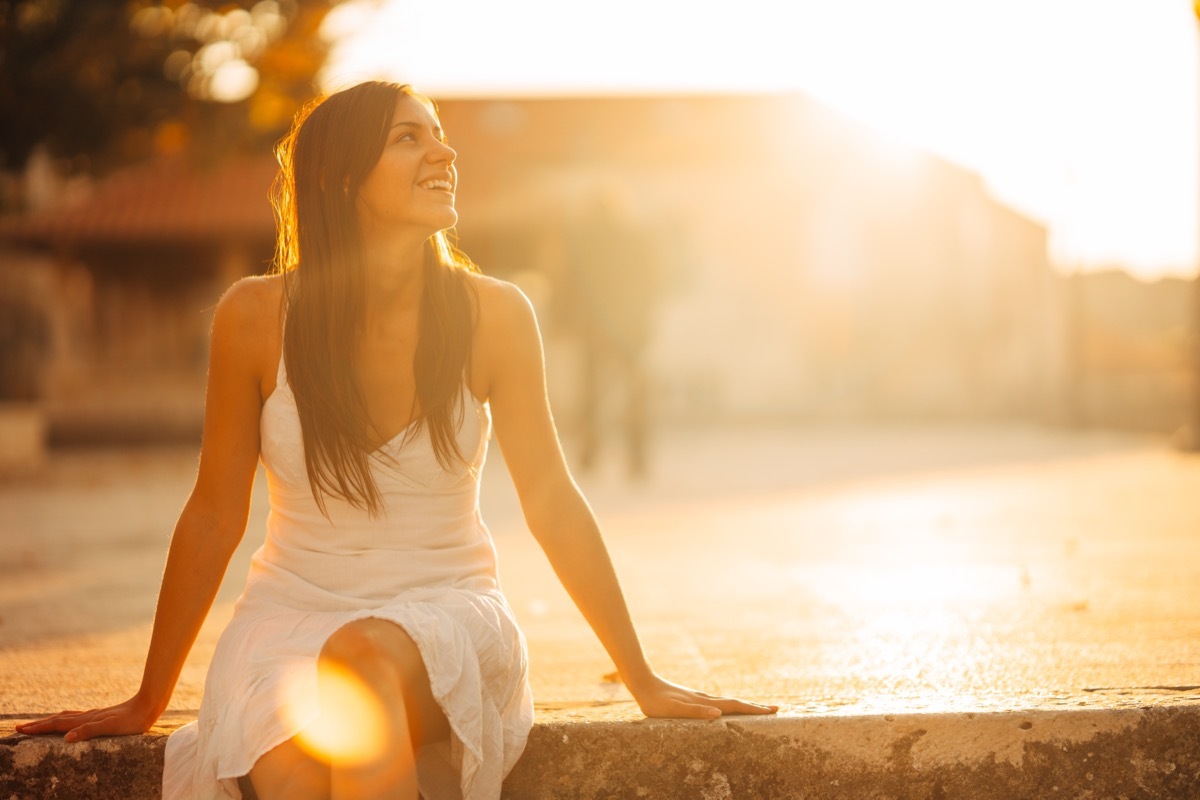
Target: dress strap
[[281, 370]]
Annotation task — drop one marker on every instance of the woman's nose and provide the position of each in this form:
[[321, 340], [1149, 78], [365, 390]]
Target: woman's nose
[[443, 152]]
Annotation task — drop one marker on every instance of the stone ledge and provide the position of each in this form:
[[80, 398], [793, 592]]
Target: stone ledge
[[1145, 753]]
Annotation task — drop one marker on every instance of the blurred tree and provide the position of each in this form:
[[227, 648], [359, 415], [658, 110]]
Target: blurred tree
[[106, 83]]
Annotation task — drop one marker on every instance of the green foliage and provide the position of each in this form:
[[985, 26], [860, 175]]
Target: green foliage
[[107, 83]]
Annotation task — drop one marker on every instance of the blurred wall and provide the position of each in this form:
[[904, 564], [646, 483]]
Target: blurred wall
[[1135, 346], [128, 273], [805, 268], [751, 258]]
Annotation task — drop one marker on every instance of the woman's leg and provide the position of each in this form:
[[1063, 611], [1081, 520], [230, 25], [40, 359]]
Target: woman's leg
[[387, 662], [288, 772], [396, 711]]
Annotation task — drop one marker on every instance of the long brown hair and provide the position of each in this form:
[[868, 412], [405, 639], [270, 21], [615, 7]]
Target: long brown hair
[[332, 146]]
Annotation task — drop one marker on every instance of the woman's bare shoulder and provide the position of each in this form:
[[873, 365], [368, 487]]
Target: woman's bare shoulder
[[505, 333], [251, 305], [501, 304], [252, 297], [506, 343], [250, 313]]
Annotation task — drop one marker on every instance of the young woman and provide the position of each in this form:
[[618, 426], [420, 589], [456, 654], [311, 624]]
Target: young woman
[[366, 375]]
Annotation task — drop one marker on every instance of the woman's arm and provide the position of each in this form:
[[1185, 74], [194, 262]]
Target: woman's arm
[[212, 521], [510, 349]]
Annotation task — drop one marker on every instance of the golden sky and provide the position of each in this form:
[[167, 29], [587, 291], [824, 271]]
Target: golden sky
[[1081, 113]]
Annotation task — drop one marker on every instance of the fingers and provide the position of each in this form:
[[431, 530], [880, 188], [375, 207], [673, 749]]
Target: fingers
[[753, 708], [695, 711], [731, 705], [722, 705], [55, 724], [83, 732], [119, 720], [673, 700], [78, 725]]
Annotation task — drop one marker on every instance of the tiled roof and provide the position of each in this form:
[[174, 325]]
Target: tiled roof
[[165, 200]]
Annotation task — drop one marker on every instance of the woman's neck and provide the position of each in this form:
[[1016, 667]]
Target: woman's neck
[[395, 273]]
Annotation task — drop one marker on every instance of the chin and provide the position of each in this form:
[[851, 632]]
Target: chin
[[432, 223], [447, 220]]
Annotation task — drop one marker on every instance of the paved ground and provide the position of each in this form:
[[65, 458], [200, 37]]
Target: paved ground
[[835, 571]]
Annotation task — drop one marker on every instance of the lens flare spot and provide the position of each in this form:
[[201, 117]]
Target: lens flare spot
[[352, 727]]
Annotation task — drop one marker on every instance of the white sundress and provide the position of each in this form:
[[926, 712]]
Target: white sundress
[[428, 564]]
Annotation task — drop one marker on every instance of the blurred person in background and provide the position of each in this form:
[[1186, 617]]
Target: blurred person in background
[[372, 653], [615, 285]]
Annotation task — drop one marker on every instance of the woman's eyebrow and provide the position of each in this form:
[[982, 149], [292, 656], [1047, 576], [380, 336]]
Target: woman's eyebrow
[[437, 129]]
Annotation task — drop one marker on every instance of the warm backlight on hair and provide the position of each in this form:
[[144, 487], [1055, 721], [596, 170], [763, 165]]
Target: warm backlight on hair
[[351, 728]]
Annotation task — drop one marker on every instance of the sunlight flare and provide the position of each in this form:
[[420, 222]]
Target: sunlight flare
[[351, 727]]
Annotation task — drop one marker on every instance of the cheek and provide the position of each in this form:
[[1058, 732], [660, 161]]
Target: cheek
[[382, 191]]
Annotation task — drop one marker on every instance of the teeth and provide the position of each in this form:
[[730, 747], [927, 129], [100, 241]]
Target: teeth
[[437, 184]]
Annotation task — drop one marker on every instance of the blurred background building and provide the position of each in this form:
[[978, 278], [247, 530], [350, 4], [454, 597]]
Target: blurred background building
[[695, 258], [801, 269]]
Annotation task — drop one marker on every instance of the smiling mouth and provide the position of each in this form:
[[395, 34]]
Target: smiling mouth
[[438, 184]]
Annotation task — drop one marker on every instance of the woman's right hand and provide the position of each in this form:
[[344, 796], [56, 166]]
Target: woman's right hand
[[131, 717]]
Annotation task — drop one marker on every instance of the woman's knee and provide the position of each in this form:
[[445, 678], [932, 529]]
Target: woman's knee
[[385, 657], [376, 649]]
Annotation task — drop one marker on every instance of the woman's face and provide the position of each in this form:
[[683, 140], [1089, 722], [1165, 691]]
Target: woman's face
[[412, 185]]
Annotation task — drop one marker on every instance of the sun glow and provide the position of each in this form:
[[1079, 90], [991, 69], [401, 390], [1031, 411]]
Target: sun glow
[[350, 727], [922, 569], [1080, 113]]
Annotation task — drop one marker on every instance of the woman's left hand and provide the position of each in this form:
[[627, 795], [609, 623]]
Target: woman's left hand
[[658, 697]]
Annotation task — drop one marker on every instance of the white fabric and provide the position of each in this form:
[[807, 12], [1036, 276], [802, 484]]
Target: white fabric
[[428, 564]]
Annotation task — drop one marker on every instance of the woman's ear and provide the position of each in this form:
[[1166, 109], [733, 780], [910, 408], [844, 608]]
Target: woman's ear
[[345, 184]]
